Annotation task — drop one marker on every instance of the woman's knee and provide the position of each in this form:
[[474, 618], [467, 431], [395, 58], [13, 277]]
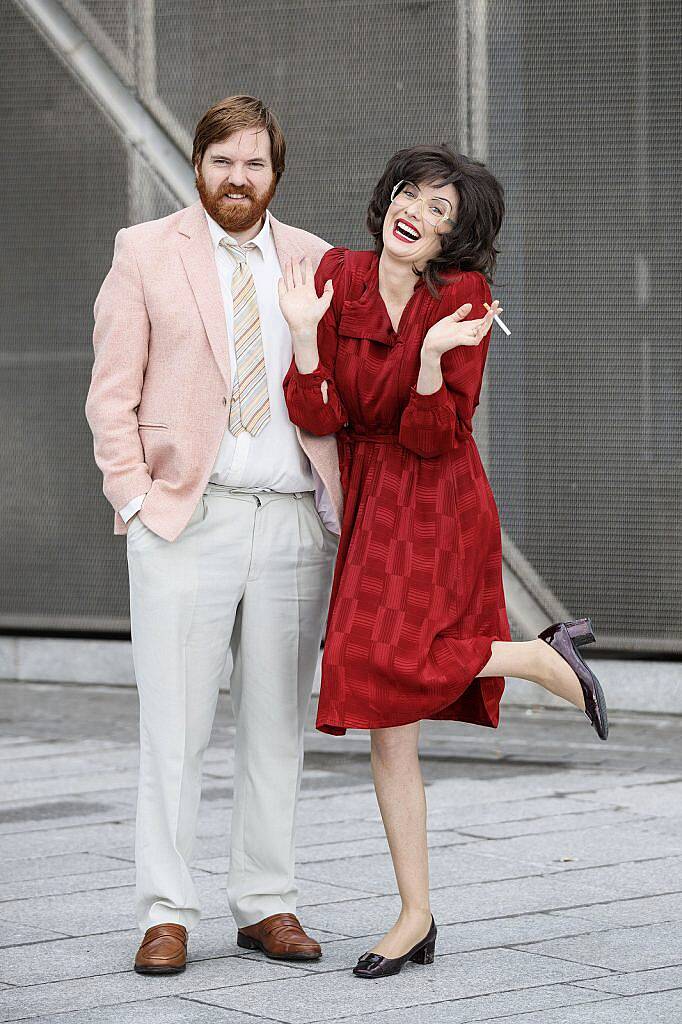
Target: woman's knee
[[395, 744]]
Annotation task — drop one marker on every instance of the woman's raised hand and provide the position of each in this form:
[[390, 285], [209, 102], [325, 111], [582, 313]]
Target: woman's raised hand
[[301, 307], [454, 330]]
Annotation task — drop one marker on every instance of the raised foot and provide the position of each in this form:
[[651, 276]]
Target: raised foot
[[559, 677]]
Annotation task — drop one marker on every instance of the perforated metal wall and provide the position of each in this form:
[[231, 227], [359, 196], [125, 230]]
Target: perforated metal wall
[[575, 107]]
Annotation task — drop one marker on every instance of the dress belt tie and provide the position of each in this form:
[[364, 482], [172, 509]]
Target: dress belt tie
[[375, 438]]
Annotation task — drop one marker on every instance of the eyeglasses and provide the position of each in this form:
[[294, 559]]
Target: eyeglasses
[[434, 211]]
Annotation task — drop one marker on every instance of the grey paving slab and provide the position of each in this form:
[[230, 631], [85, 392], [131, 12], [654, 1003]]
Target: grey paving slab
[[638, 878], [503, 810], [483, 1008], [447, 866], [24, 819], [619, 949], [67, 765], [521, 810], [659, 979], [106, 837], [14, 934], [67, 785], [635, 910], [608, 844], [340, 852], [372, 846], [25, 748], [313, 834], [27, 869], [328, 996], [169, 1010], [460, 792], [54, 998], [52, 885], [654, 1008], [470, 902], [214, 822], [560, 822], [317, 810], [664, 798], [100, 910]]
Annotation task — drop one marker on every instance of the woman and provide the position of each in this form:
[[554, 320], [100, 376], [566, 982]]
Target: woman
[[389, 351]]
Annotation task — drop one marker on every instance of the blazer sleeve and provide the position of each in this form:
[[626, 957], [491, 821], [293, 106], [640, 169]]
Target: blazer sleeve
[[433, 424], [312, 399], [120, 340]]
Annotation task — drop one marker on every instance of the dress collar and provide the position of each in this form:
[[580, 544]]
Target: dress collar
[[366, 316]]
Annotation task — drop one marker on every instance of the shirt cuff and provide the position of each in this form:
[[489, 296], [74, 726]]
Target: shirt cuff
[[439, 397], [133, 506], [314, 378]]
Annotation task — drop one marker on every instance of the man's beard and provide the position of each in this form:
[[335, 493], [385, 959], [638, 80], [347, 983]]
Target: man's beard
[[233, 217]]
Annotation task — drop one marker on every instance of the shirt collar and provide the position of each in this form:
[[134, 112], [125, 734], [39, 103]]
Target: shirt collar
[[262, 240]]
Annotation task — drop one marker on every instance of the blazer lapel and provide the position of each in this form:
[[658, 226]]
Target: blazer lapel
[[285, 244], [196, 252]]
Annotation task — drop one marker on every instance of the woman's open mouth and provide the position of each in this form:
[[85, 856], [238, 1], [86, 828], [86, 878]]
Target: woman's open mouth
[[405, 231]]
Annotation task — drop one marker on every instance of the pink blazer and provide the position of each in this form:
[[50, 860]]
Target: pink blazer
[[158, 401]]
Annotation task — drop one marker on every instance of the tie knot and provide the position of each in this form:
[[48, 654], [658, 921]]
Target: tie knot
[[237, 252]]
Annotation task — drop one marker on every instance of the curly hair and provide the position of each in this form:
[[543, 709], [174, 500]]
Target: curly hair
[[478, 219]]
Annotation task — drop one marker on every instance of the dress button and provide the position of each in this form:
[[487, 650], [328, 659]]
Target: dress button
[[224, 399]]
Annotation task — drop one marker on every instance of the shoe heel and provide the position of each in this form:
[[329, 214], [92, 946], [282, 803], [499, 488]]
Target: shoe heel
[[426, 954], [581, 632], [245, 942]]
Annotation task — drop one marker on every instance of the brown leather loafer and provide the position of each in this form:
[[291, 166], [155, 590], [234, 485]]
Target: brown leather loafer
[[280, 937], [163, 950]]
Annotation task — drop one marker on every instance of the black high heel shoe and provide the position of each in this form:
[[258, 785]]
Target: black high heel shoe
[[373, 965], [566, 638]]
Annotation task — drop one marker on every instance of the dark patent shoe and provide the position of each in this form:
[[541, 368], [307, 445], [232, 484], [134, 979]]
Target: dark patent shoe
[[566, 637], [373, 965]]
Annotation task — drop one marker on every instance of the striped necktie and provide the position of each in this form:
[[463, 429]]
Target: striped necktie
[[250, 406]]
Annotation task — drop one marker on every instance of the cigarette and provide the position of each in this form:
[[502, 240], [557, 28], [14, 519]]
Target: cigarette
[[496, 317]]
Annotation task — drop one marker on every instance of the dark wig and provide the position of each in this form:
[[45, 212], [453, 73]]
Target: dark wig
[[469, 245]]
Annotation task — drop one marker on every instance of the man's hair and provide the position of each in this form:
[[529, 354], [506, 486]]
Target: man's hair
[[469, 245], [233, 114]]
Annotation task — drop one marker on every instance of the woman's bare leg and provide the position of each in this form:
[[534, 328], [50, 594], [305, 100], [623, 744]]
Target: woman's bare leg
[[402, 802], [537, 661]]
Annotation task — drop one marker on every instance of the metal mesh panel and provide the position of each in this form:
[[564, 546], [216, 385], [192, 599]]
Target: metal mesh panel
[[338, 76], [575, 107], [65, 179], [110, 27], [584, 131]]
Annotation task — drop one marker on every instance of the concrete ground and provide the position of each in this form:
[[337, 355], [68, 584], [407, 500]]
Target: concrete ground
[[556, 873]]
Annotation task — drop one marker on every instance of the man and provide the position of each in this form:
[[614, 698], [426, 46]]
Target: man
[[232, 519]]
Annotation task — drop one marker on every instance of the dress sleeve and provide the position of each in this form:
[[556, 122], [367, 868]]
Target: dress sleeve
[[312, 399], [433, 424]]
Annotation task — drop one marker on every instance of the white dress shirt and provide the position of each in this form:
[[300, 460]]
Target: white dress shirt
[[274, 460]]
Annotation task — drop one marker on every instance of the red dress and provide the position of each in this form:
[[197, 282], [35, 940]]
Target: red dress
[[417, 592]]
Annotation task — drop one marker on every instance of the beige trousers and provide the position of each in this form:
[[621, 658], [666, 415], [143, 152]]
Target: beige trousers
[[243, 592]]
